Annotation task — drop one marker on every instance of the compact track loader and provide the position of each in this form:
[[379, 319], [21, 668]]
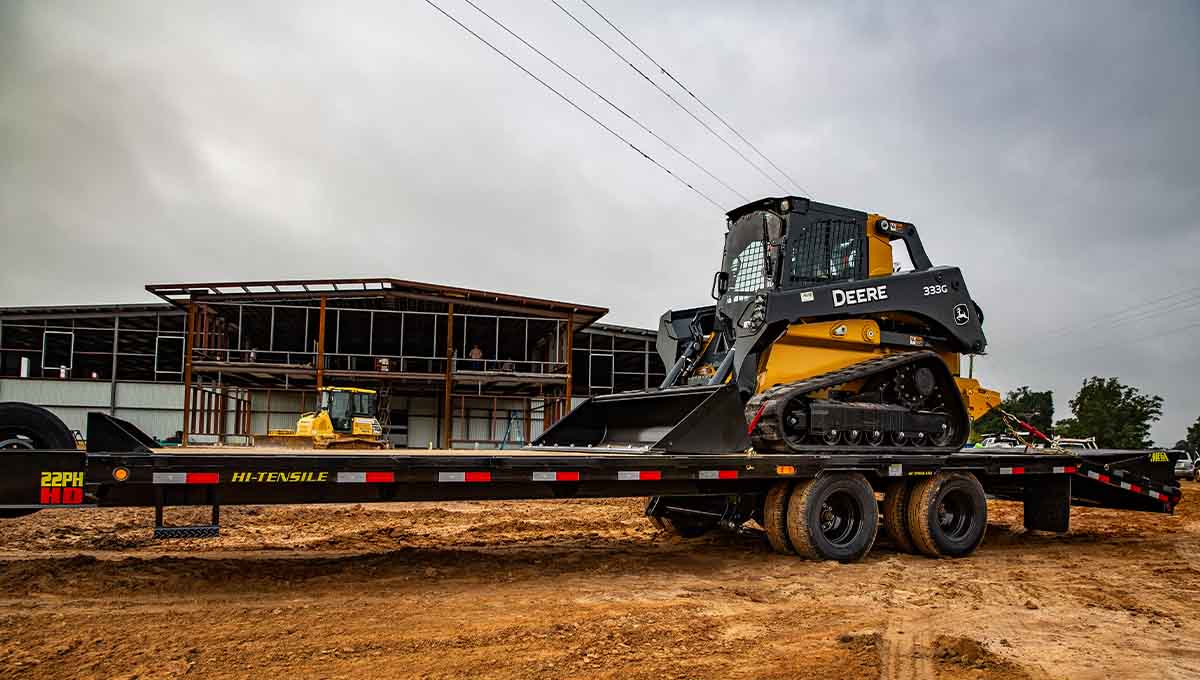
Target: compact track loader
[[815, 343]]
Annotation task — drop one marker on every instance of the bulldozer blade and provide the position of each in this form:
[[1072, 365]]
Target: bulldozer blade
[[693, 419]]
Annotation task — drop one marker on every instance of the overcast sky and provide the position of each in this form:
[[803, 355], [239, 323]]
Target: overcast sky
[[1049, 149]]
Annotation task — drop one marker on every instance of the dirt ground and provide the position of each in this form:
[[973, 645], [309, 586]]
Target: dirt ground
[[585, 589]]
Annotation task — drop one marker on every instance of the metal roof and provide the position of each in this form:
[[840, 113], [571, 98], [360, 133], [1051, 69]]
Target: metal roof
[[61, 311], [291, 289]]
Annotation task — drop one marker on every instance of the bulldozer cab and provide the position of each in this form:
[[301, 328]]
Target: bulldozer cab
[[343, 404]]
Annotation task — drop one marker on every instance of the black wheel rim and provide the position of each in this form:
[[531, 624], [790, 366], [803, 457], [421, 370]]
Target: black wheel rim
[[899, 438], [10, 440], [841, 518], [956, 514], [875, 437], [852, 436], [831, 437]]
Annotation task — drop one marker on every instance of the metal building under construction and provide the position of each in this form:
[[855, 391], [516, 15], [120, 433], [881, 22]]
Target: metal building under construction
[[221, 362]]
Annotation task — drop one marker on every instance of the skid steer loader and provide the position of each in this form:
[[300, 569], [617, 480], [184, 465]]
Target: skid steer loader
[[815, 343]]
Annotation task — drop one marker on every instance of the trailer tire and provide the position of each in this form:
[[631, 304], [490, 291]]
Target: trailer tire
[[947, 514], [25, 426], [833, 517], [35, 425], [895, 515], [775, 517]]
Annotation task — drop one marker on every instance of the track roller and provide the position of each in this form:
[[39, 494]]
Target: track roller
[[895, 515], [833, 517], [947, 514]]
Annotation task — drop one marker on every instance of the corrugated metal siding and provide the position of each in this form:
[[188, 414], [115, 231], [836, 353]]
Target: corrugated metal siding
[[154, 407]]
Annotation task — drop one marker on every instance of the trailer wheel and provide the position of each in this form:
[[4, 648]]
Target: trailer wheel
[[775, 517], [833, 517], [947, 514], [25, 427], [895, 515]]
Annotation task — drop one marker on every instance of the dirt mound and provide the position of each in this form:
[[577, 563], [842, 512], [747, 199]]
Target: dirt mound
[[967, 653]]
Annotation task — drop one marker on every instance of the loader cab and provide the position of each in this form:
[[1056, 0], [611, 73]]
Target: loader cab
[[344, 404], [793, 243]]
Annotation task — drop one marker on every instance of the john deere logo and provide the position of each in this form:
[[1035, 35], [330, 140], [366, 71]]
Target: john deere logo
[[961, 315]]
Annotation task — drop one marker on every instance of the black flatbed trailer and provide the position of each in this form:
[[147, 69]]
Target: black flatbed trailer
[[123, 468]]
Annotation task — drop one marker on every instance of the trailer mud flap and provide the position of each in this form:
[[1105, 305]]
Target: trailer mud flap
[[1048, 503], [697, 419]]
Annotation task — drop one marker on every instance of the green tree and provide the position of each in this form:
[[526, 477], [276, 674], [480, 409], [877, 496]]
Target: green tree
[[1192, 443], [1035, 408], [1118, 416]]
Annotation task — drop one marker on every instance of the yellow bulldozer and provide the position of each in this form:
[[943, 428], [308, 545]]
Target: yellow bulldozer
[[344, 419]]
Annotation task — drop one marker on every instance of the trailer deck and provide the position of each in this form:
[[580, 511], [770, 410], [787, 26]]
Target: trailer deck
[[122, 468]]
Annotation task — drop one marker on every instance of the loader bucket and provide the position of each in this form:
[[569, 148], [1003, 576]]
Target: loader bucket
[[694, 419]]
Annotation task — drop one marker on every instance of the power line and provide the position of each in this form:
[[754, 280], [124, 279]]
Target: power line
[[606, 100], [577, 107], [1139, 311], [693, 96], [1124, 341], [668, 95]]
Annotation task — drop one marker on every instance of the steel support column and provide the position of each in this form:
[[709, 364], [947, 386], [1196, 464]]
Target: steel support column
[[447, 405], [187, 373], [570, 345], [321, 345]]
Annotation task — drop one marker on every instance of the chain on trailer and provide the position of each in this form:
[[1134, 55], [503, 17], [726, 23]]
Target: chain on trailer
[[1051, 445]]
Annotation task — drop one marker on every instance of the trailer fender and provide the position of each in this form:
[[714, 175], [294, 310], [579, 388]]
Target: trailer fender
[[31, 477]]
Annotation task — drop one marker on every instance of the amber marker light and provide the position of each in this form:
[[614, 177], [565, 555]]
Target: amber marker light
[[120, 474]]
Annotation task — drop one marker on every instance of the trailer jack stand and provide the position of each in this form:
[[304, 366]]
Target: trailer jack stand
[[162, 531]]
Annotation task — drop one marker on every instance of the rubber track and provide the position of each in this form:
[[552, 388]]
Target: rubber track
[[767, 437]]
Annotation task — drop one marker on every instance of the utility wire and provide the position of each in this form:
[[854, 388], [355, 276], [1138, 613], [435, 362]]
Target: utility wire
[[1161, 335], [693, 96], [606, 100], [577, 107], [668, 95], [1141, 310]]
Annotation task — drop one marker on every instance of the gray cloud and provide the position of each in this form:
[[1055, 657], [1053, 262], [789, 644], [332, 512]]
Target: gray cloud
[[1048, 149]]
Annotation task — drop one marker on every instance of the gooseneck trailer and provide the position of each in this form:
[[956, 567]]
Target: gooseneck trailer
[[819, 504]]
